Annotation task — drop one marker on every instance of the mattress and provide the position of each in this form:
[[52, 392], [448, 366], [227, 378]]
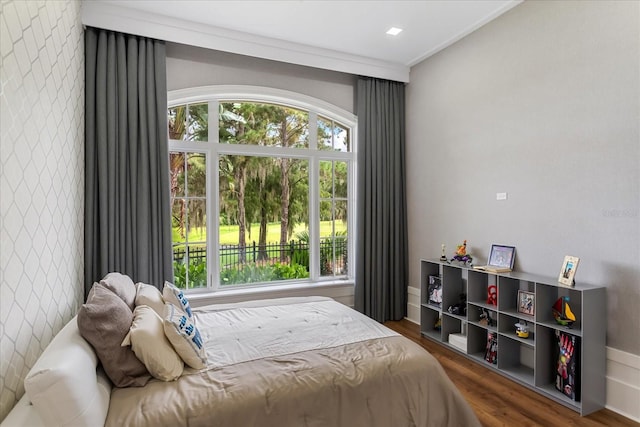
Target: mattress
[[298, 362]]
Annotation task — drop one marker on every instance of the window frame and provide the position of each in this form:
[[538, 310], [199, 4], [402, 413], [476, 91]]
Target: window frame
[[213, 149]]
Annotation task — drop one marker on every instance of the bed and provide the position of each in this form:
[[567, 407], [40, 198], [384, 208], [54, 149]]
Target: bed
[[283, 362]]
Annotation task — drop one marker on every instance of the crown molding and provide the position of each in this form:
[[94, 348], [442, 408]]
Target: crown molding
[[132, 21]]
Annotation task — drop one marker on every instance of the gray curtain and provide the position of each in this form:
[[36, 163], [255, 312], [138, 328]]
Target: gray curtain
[[127, 213], [381, 262]]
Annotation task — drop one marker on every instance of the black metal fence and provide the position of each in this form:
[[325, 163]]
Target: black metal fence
[[232, 256]]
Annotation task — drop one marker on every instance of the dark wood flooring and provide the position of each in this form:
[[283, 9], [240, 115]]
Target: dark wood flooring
[[498, 401]]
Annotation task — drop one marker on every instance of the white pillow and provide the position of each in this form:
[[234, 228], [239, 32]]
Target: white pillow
[[148, 341], [176, 297], [184, 336], [63, 384], [151, 296]]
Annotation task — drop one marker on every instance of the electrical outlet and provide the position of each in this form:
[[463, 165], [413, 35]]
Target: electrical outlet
[[501, 196]]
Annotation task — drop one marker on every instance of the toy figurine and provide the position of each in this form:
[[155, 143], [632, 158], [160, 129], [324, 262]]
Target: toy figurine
[[492, 295], [485, 318], [443, 257], [461, 254], [460, 308], [522, 330], [562, 312]]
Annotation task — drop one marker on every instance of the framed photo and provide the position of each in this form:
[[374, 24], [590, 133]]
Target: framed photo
[[568, 271], [526, 302], [502, 256]]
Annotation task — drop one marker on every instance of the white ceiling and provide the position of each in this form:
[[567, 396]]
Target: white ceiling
[[341, 30]]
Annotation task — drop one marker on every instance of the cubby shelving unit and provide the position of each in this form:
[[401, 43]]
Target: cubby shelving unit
[[531, 362]]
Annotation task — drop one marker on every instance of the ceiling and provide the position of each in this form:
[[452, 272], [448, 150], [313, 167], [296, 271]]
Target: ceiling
[[345, 30]]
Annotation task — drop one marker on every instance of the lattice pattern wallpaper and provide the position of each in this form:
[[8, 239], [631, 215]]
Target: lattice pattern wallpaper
[[41, 181]]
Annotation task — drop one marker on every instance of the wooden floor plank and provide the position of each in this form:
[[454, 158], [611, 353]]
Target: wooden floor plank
[[498, 401]]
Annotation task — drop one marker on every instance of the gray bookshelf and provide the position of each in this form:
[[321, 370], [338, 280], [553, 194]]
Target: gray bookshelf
[[531, 362]]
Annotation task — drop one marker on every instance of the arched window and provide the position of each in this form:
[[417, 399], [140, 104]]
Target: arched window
[[262, 188]]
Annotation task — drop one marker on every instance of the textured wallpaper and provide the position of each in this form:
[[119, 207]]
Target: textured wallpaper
[[41, 181]]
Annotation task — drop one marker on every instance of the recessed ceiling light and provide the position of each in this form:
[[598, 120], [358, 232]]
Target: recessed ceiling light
[[394, 31]]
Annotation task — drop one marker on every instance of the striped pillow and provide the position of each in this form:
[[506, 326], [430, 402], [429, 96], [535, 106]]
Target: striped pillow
[[184, 336]]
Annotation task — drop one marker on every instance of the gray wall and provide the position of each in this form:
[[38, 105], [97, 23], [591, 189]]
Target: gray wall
[[189, 66], [542, 103], [41, 181]]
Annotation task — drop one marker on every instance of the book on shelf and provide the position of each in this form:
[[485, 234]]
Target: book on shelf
[[567, 366], [459, 341], [435, 290], [491, 353]]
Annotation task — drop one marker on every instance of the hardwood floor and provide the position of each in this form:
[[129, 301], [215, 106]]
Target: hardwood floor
[[498, 401]]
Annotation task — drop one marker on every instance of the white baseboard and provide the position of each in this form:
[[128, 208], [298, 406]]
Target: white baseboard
[[623, 370], [413, 305], [623, 383]]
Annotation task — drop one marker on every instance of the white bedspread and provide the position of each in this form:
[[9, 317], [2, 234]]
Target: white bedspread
[[235, 335]]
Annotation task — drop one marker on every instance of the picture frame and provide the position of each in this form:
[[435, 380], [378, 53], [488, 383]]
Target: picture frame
[[568, 270], [502, 256], [526, 303]]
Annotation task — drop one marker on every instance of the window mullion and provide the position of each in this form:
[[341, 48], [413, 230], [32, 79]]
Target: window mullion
[[256, 150], [352, 232], [213, 121], [314, 218], [333, 211], [314, 199], [313, 130], [185, 200], [213, 203]]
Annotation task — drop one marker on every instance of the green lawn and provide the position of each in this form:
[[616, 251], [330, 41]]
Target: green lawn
[[229, 233]]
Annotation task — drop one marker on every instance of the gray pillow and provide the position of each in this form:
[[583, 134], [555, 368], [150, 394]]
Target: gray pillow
[[121, 285], [104, 321]]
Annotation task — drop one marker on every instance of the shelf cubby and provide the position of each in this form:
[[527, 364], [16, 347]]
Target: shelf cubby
[[451, 293], [428, 319], [512, 355], [473, 314], [451, 325], [507, 327], [477, 344], [547, 297]]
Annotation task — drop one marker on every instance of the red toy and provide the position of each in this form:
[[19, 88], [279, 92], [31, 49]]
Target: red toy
[[492, 295]]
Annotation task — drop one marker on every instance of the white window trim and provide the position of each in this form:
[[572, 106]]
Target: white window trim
[[261, 94], [315, 107]]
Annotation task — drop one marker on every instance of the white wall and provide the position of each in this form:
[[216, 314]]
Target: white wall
[[41, 181]]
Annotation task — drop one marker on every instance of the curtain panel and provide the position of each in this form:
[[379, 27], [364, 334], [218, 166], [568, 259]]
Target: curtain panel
[[127, 213], [381, 260]]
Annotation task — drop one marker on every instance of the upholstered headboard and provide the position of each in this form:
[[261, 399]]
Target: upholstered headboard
[[64, 387]]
